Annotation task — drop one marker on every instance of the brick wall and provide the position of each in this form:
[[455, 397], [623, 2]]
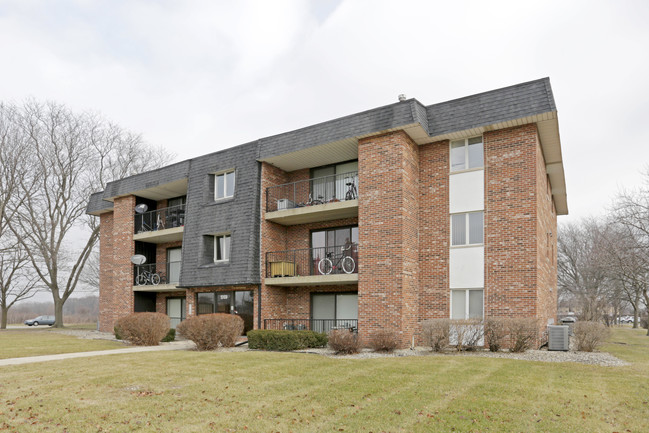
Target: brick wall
[[510, 222], [434, 230], [107, 311], [388, 235]]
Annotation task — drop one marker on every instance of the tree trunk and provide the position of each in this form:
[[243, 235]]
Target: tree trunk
[[58, 313], [3, 320]]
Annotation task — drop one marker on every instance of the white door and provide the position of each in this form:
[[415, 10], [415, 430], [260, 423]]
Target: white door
[[174, 257], [176, 310]]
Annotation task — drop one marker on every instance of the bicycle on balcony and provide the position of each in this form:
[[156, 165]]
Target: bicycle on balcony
[[145, 277], [332, 263], [351, 193]]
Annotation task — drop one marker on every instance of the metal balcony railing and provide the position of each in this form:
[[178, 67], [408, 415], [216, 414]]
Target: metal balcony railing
[[157, 273], [310, 192], [313, 261], [165, 218], [318, 325]]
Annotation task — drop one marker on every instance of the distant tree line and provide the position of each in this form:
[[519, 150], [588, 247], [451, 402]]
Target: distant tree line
[[51, 160], [75, 310], [603, 263]]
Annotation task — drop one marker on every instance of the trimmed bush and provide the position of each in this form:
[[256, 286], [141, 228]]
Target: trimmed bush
[[171, 336], [384, 341], [436, 333], [143, 329], [118, 336], [522, 332], [210, 331], [495, 332], [467, 333], [589, 335], [284, 341], [344, 342]]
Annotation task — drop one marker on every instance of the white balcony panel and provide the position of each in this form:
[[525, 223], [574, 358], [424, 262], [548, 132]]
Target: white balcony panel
[[467, 267], [466, 191]]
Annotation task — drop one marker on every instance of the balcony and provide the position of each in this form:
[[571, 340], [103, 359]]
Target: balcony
[[313, 200], [317, 325], [160, 226], [156, 277], [336, 265]]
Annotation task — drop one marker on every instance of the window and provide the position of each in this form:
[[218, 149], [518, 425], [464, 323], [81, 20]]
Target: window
[[467, 304], [330, 182], [467, 228], [224, 185], [466, 154], [221, 248]]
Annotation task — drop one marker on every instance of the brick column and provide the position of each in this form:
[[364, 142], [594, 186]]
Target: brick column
[[123, 249], [388, 235], [106, 287]]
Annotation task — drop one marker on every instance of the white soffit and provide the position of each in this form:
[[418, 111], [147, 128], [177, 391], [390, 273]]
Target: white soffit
[[323, 154], [160, 192]]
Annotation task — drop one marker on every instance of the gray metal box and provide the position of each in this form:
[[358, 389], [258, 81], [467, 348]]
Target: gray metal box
[[558, 337]]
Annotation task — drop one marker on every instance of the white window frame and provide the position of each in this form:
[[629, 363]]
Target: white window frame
[[466, 154], [225, 184], [466, 303], [216, 240], [467, 230]]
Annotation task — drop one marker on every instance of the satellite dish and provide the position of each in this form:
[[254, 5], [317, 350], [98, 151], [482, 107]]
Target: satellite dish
[[141, 208], [138, 259]]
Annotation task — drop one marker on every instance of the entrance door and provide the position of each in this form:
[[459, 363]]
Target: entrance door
[[176, 310], [224, 302]]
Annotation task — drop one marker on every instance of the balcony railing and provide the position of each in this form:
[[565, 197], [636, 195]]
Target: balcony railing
[[342, 259], [310, 192], [157, 273], [318, 325], [166, 218]]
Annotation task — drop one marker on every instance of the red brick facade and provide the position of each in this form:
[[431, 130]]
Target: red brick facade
[[404, 238]]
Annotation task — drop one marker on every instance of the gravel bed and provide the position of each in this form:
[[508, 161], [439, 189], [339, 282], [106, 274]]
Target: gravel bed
[[86, 333], [593, 358]]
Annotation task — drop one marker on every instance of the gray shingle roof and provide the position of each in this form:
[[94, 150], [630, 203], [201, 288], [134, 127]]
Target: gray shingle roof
[[488, 108]]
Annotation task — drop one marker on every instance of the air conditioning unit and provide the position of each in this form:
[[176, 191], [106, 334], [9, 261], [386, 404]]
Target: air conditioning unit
[[558, 337], [284, 203]]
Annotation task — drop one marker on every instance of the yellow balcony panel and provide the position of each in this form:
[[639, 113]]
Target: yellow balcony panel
[[311, 214]]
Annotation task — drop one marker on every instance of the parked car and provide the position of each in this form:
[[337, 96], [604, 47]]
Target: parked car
[[568, 319], [40, 320]]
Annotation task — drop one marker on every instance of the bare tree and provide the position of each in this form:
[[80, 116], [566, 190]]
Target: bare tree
[[71, 155], [16, 283], [582, 273]]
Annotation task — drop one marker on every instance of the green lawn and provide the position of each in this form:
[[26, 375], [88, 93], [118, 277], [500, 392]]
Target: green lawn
[[17, 343], [264, 392]]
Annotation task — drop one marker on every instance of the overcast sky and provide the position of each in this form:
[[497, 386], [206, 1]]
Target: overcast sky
[[199, 76]]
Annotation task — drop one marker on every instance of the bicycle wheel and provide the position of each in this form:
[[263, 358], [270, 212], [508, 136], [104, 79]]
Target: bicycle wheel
[[155, 279], [140, 280], [325, 266], [348, 265]]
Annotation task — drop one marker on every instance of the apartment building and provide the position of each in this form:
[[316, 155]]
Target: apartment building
[[377, 220]]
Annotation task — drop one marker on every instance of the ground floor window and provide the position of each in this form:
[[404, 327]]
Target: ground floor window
[[334, 310], [240, 302], [467, 304]]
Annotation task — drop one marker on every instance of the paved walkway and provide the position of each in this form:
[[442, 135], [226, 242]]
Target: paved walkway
[[175, 345]]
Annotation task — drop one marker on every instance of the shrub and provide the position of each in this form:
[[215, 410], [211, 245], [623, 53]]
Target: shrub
[[589, 335], [467, 333], [209, 331], [384, 341], [283, 341], [143, 329], [644, 322], [436, 333], [171, 336], [495, 331], [522, 333], [118, 336], [344, 342]]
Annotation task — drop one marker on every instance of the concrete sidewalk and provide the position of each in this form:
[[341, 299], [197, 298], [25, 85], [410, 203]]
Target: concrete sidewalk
[[175, 345]]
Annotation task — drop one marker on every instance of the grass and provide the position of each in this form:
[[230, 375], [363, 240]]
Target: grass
[[17, 343], [257, 391]]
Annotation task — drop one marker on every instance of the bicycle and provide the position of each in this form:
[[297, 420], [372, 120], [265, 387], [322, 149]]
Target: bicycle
[[351, 189], [313, 202], [145, 277], [346, 263]]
